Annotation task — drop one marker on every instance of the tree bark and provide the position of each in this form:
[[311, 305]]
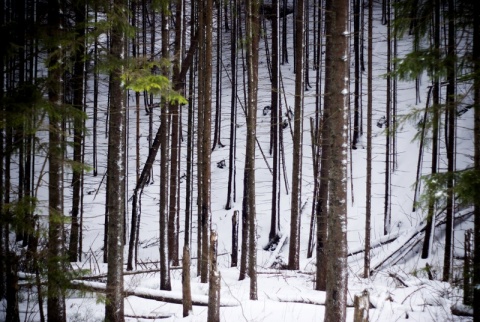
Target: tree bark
[[186, 284], [252, 32], [294, 245], [55, 269], [114, 306], [213, 312], [335, 75], [368, 201], [450, 140], [165, 283], [476, 237]]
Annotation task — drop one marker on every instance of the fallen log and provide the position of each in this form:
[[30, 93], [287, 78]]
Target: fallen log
[[149, 294]]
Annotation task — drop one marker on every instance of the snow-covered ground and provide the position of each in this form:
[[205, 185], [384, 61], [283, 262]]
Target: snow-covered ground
[[399, 288]]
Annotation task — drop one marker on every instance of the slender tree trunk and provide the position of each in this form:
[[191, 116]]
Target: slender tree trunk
[[175, 142], [252, 31], [186, 285], [214, 285], [386, 209], [275, 125], [56, 289], [450, 124], [368, 201], [78, 79], [294, 245], [2, 160], [206, 139], [476, 256], [114, 307], [218, 80], [233, 108], [435, 121], [165, 283], [357, 94], [335, 75]]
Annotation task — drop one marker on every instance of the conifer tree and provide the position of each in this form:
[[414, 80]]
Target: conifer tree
[[114, 306]]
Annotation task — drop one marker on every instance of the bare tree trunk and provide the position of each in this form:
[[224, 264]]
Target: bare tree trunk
[[368, 201], [357, 94], [294, 244], [114, 306], [56, 289], [218, 80], [214, 284], [206, 11], [233, 107], [252, 32], [186, 285], [235, 238], [335, 75], [450, 140], [435, 121], [275, 126], [164, 159], [476, 234], [175, 142], [78, 93], [386, 209]]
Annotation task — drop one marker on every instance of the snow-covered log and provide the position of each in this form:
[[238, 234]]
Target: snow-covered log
[[156, 295]]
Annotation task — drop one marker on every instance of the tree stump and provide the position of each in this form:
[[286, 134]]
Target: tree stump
[[361, 303], [235, 238]]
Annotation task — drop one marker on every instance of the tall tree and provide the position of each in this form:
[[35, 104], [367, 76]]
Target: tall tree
[[252, 31], [275, 124], [430, 221], [206, 28], [476, 61], [114, 306], [294, 246], [77, 83], [450, 139], [56, 288], [387, 216], [335, 101], [233, 106], [173, 218], [368, 196], [165, 283]]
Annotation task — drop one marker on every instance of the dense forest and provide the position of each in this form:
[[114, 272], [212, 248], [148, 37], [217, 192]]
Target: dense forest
[[187, 152]]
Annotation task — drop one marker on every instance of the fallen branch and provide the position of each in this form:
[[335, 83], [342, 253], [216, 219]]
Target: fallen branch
[[147, 317], [149, 294], [314, 298]]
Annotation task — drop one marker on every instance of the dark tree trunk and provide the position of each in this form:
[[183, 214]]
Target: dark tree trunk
[[368, 201], [252, 31], [78, 78], [476, 247], [233, 109], [294, 244], [386, 209], [114, 306], [450, 140], [218, 81], [275, 125], [435, 121], [357, 93], [56, 289]]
